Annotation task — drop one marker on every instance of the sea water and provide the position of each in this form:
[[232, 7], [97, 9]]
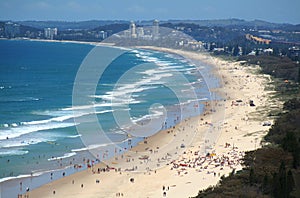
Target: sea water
[[38, 127]]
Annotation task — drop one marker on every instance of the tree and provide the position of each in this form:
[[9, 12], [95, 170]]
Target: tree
[[292, 104], [276, 186], [251, 176], [236, 50], [290, 182], [298, 73], [256, 52], [296, 156], [265, 184], [289, 142], [282, 181]]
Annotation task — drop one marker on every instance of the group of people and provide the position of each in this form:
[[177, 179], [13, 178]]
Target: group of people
[[191, 160]]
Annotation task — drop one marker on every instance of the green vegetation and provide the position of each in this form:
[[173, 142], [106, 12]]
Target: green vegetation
[[277, 66]]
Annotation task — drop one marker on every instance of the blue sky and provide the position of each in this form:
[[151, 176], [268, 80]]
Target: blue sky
[[281, 11]]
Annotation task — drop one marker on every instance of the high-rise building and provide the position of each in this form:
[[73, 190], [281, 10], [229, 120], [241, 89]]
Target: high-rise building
[[155, 29], [127, 33], [49, 33], [132, 29], [140, 32], [102, 34], [11, 30]]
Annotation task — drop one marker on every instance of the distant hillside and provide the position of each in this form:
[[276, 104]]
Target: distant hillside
[[92, 24], [114, 28], [231, 22]]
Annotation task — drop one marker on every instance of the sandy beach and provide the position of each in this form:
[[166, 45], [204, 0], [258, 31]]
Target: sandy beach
[[191, 156]]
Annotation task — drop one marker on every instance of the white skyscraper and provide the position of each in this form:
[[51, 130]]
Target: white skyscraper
[[140, 32], [132, 29], [155, 29], [50, 33]]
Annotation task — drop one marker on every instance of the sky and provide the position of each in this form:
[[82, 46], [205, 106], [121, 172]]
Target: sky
[[278, 11]]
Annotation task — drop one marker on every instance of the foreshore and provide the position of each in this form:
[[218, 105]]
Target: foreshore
[[189, 157], [63, 41]]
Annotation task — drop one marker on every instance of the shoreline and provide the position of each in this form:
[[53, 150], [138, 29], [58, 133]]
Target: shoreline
[[200, 171], [228, 149], [93, 43], [34, 175], [52, 41]]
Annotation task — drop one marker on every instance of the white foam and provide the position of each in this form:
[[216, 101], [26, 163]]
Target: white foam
[[27, 99], [13, 152], [151, 72], [66, 117], [80, 149], [70, 115], [120, 132], [191, 83], [10, 178], [25, 129], [154, 114], [96, 146], [14, 125], [91, 147], [17, 142], [85, 107], [135, 51], [30, 139], [74, 136], [173, 68], [66, 155], [78, 107], [145, 53], [122, 94], [148, 57], [35, 122]]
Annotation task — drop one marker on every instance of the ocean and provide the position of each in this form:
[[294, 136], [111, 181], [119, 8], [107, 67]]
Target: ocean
[[52, 102]]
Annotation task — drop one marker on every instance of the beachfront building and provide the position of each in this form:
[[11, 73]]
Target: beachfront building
[[11, 30], [50, 33], [126, 33], [102, 34], [155, 29], [132, 28], [140, 32]]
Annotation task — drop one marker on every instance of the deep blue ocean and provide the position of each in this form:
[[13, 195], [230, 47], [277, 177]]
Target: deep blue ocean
[[37, 124]]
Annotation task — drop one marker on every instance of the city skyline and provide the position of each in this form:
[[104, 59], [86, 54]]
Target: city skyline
[[76, 10]]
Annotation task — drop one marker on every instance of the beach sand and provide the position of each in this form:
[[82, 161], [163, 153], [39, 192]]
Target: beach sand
[[161, 166]]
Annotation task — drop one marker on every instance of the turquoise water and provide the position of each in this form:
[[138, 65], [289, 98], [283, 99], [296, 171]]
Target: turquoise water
[[37, 120], [36, 80]]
